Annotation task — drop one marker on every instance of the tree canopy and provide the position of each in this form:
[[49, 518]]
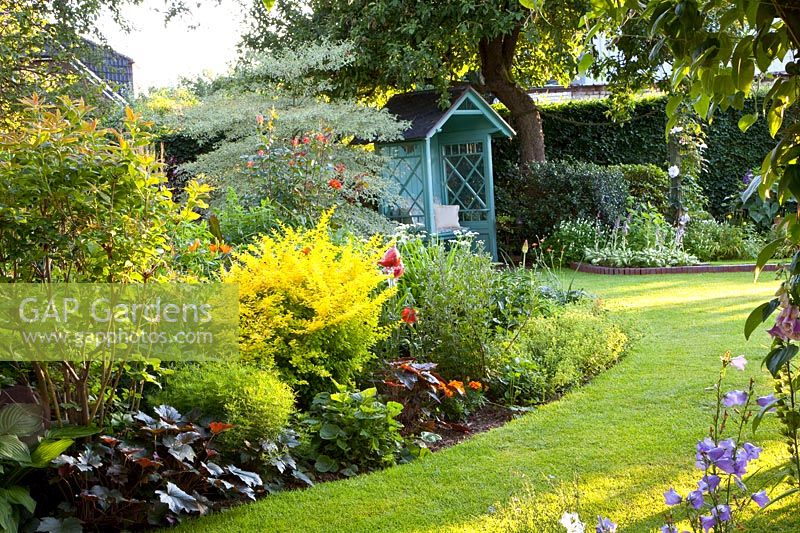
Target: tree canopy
[[500, 47]]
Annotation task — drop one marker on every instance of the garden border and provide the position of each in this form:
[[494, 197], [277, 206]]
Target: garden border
[[692, 269]]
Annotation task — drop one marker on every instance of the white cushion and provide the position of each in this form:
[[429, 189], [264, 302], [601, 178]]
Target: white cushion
[[446, 217]]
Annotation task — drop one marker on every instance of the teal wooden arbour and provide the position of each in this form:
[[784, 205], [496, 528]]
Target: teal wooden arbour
[[445, 159]]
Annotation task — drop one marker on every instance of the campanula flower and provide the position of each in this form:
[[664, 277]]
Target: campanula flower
[[734, 397], [671, 497], [605, 525], [695, 499], [739, 362], [722, 512], [709, 483], [760, 498], [707, 522], [766, 401]]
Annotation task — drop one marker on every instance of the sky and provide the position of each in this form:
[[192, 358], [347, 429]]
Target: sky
[[203, 42]]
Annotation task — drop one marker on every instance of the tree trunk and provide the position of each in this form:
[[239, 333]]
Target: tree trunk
[[497, 58]]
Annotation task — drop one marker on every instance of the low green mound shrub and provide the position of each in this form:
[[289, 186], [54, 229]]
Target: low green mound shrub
[[530, 203], [255, 401], [571, 238], [349, 431], [710, 240], [550, 355]]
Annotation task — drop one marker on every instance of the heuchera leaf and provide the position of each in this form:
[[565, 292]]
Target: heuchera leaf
[[179, 501], [251, 479]]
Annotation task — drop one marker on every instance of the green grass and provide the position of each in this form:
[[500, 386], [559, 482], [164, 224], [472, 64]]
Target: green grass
[[628, 435]]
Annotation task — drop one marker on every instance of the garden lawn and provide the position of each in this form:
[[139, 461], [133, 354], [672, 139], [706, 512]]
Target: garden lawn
[[628, 436]]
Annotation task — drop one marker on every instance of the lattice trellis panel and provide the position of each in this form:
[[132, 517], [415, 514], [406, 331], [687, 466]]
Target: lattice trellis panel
[[405, 168], [465, 179]]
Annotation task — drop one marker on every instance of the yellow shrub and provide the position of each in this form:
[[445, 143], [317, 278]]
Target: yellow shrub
[[310, 306]]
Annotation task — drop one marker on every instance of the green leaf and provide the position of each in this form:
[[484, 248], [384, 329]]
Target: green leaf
[[747, 120], [13, 449], [71, 432], [766, 254], [531, 4], [18, 496], [21, 419], [58, 525], [673, 103], [47, 450], [760, 416], [585, 62], [268, 4], [8, 518], [759, 315], [329, 431], [779, 357], [214, 228], [326, 464]]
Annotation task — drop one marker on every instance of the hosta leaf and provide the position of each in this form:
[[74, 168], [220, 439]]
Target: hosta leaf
[[71, 432], [18, 496], [21, 419], [13, 449], [8, 518], [48, 450]]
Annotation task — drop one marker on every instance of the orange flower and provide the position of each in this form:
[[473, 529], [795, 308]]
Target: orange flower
[[320, 137], [475, 385], [335, 184], [448, 392], [306, 250], [250, 164], [219, 427], [458, 385], [213, 247], [194, 246], [225, 248]]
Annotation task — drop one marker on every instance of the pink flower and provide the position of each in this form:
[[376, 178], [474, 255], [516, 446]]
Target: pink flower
[[259, 119], [739, 362], [787, 325]]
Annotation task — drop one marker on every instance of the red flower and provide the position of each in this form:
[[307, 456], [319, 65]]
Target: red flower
[[335, 184], [295, 142], [409, 315], [391, 258], [261, 153], [250, 164], [320, 137], [399, 270], [306, 140]]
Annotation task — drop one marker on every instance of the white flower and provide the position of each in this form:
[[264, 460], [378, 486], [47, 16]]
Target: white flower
[[572, 522], [673, 171], [676, 129]]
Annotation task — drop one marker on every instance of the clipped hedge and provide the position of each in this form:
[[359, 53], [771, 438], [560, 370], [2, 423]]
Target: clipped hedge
[[531, 203], [581, 130]]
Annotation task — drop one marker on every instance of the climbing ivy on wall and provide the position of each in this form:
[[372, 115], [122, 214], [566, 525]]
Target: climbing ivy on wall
[[582, 131]]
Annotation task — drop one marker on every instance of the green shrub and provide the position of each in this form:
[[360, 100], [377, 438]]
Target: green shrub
[[647, 184], [352, 431], [571, 238], [710, 240], [532, 202], [240, 224], [550, 355], [452, 289], [255, 401]]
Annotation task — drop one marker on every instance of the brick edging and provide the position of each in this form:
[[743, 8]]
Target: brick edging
[[694, 269]]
